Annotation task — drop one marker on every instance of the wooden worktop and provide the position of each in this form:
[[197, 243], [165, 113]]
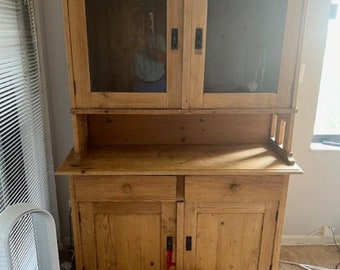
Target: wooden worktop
[[250, 159]]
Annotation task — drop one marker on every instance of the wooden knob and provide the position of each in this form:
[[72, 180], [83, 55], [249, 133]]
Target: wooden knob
[[235, 188], [127, 188]]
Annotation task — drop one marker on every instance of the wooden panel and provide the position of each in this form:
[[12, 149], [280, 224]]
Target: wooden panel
[[187, 47], [75, 225], [243, 159], [168, 229], [237, 235], [268, 235], [79, 49], [69, 52], [197, 57], [125, 188], [233, 188], [242, 100], [80, 133], [190, 226], [88, 235], [128, 241], [174, 57], [180, 236], [120, 208], [280, 219], [218, 111], [288, 71], [133, 240], [178, 129], [228, 239]]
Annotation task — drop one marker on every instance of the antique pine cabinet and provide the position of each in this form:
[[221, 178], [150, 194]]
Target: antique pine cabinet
[[183, 113]]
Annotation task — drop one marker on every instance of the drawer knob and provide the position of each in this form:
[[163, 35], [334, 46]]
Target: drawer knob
[[127, 188], [235, 188]]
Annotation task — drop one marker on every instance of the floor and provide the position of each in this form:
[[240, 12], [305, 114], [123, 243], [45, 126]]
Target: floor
[[324, 256]]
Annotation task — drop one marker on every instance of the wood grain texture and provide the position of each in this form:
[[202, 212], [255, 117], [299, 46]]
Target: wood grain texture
[[233, 188], [247, 159], [125, 188], [288, 71], [197, 57], [80, 133], [242, 100], [132, 235], [68, 45], [187, 47], [174, 57], [280, 220], [238, 235], [75, 223], [178, 129], [88, 235], [217, 111]]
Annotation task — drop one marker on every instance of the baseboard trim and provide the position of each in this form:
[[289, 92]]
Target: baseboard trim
[[303, 240]]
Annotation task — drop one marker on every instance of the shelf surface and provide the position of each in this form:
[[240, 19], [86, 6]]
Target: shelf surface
[[245, 159], [182, 111]]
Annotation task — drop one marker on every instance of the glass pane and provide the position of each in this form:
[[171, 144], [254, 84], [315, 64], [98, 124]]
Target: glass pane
[[244, 45], [126, 43]]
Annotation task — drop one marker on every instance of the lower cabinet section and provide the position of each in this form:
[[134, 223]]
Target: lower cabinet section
[[177, 225], [126, 235], [229, 235]]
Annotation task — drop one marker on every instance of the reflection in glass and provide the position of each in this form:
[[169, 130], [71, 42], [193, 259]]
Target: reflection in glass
[[244, 45], [126, 44]]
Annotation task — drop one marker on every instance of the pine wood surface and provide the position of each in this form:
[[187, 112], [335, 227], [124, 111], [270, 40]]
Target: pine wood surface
[[178, 129], [324, 256], [248, 111], [244, 159]]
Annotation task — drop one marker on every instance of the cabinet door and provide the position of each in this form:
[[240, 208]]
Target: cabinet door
[[124, 54], [244, 53], [229, 235], [126, 236]]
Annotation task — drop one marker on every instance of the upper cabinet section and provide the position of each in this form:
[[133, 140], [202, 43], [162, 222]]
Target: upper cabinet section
[[185, 54], [125, 53]]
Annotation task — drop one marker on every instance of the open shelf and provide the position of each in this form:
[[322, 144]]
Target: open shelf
[[250, 159]]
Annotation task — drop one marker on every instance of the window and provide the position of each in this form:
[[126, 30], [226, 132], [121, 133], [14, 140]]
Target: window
[[26, 171], [327, 122]]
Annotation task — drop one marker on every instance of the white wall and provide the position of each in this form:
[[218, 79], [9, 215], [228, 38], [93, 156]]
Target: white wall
[[313, 198], [58, 98]]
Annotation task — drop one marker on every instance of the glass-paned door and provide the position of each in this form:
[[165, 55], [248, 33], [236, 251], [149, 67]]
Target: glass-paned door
[[247, 52], [126, 53]]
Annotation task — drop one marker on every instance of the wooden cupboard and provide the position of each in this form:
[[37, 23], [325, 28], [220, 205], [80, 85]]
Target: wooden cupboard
[[183, 114], [222, 209]]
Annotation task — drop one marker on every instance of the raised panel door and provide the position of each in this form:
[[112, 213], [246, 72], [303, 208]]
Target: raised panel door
[[229, 235], [126, 236]]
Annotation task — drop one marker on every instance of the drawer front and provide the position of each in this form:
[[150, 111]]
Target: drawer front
[[125, 188], [234, 188]]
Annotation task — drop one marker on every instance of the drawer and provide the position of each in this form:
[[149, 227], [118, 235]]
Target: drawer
[[125, 188], [234, 188]]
